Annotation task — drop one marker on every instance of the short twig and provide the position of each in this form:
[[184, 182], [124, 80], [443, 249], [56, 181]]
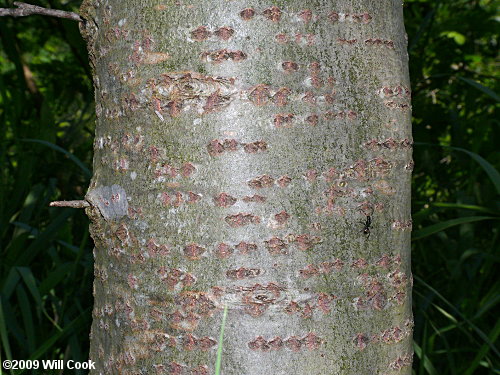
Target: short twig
[[24, 9], [72, 204]]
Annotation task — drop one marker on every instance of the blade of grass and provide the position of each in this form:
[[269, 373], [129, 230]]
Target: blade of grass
[[484, 350], [427, 231], [425, 23], [429, 367], [35, 232], [3, 333], [221, 339], [446, 314], [30, 282], [42, 240], [484, 89], [13, 328], [448, 348], [461, 206], [72, 157], [47, 344], [491, 299], [10, 283], [487, 167], [479, 332], [54, 277], [24, 306]]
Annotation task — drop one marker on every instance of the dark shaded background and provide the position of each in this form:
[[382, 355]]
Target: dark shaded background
[[47, 120]]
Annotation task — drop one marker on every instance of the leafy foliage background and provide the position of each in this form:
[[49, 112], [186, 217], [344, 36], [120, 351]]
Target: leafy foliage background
[[47, 120]]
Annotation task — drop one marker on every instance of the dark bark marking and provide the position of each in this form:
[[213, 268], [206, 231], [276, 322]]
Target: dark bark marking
[[384, 261], [359, 263], [193, 197], [255, 310], [281, 38], [155, 250], [280, 98], [379, 42], [290, 66], [254, 198], [306, 242], [276, 245], [132, 281], [312, 120], [224, 33], [401, 361], [178, 199], [306, 15], [330, 98], [222, 55], [347, 41], [390, 92], [259, 343], [255, 147], [307, 311], [243, 273], [282, 217], [409, 166], [224, 251], [393, 105], [276, 343], [200, 370], [399, 297], [273, 14], [324, 302], [187, 170], [283, 120], [193, 251], [213, 101], [364, 18], [190, 342], [153, 154], [224, 200], [247, 14], [311, 175], [292, 307], [283, 181], [393, 335], [361, 340], [200, 34], [245, 248], [174, 107], [402, 225], [321, 269], [261, 182], [309, 98], [175, 368], [216, 147], [311, 342], [260, 95], [334, 16], [330, 115], [389, 143], [241, 219]]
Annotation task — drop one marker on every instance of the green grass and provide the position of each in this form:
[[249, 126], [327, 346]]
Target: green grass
[[221, 342], [456, 186]]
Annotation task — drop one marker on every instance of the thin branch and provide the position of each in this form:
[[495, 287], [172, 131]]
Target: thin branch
[[24, 9], [72, 204]]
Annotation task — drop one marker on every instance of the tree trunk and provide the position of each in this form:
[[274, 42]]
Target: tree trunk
[[254, 155]]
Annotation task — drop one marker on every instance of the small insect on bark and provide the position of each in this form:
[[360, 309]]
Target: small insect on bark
[[367, 224]]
